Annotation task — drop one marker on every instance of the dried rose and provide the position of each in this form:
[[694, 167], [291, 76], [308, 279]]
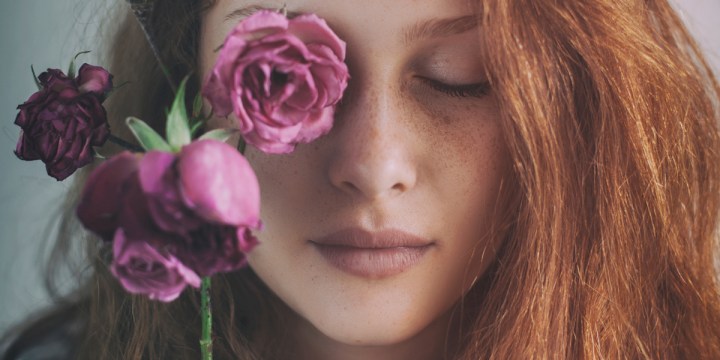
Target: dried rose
[[281, 77], [64, 120]]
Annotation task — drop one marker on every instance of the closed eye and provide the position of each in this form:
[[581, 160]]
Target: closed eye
[[476, 90]]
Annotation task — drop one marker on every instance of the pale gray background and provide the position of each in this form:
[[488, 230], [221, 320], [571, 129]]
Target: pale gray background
[[47, 33]]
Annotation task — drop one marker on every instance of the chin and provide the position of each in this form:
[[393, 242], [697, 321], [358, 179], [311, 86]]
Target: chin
[[373, 332], [374, 321]]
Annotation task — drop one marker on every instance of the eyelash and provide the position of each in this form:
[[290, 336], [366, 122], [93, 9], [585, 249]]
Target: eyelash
[[477, 90]]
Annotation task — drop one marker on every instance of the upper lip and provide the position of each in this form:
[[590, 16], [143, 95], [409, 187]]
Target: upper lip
[[360, 238]]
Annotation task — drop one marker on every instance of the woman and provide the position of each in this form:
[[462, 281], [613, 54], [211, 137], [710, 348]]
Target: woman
[[516, 179]]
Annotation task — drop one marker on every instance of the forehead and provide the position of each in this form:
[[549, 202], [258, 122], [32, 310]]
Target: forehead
[[382, 21]]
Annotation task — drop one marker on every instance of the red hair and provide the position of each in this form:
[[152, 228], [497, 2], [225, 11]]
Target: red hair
[[611, 117]]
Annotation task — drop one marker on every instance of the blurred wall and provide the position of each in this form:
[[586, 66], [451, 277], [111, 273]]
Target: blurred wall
[[44, 33], [47, 33]]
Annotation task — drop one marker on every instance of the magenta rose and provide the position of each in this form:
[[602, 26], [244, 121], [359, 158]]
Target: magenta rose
[[281, 77], [143, 269], [63, 121], [208, 181], [194, 210]]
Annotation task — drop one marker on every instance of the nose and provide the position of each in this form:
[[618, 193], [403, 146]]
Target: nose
[[374, 150]]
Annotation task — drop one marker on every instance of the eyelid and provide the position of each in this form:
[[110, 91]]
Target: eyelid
[[477, 90]]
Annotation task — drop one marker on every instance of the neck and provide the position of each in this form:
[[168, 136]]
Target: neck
[[437, 341]]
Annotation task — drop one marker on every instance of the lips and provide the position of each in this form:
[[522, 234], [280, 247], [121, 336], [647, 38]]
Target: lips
[[372, 254]]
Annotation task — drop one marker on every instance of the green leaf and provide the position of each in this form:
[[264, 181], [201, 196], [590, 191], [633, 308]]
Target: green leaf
[[194, 129], [178, 126], [218, 134], [197, 106], [37, 81], [149, 139], [71, 68], [115, 88]]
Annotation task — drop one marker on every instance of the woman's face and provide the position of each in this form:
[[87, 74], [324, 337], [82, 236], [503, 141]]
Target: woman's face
[[374, 231]]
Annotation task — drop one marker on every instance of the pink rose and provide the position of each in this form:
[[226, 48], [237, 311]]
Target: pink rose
[[173, 217], [143, 269], [281, 77], [62, 122], [208, 181]]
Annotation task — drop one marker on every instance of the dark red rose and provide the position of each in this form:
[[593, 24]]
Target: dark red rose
[[215, 249], [63, 121], [104, 194]]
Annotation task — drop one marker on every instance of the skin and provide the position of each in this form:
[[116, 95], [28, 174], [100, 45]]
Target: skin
[[401, 155]]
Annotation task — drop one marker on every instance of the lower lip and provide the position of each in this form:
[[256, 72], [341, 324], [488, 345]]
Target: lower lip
[[372, 262]]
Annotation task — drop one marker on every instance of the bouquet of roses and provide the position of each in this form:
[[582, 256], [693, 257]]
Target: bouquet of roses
[[183, 208]]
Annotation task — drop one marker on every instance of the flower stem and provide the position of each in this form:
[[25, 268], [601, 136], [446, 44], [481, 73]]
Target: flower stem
[[206, 339], [241, 146], [120, 142]]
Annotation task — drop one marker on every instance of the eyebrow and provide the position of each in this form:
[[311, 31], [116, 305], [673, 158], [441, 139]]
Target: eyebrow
[[249, 10], [439, 28]]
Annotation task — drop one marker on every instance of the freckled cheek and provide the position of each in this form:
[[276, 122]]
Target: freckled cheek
[[479, 169], [471, 161], [287, 182], [468, 140]]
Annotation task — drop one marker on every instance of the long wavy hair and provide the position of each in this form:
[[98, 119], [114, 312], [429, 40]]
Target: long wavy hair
[[610, 113]]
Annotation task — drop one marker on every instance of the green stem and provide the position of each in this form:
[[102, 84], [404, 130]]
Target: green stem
[[206, 339], [241, 145], [128, 146]]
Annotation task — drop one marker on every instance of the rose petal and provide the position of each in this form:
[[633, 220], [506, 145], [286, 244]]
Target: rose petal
[[312, 29], [102, 196], [152, 167], [268, 146], [217, 181], [260, 24], [317, 125], [94, 79], [217, 249], [142, 269], [159, 182]]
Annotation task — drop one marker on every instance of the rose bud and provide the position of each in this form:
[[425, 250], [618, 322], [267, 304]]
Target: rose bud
[[282, 79]]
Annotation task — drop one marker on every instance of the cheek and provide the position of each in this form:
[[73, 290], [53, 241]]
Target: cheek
[[292, 189], [472, 165]]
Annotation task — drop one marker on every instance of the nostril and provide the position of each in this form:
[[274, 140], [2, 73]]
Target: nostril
[[350, 186], [400, 187]]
